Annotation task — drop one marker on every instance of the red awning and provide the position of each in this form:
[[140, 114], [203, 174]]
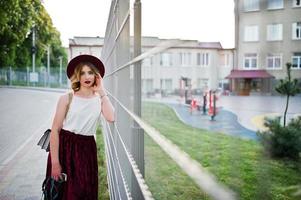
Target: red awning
[[249, 74]]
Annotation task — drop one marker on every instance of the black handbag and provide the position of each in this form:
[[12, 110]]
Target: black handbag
[[44, 141], [52, 189]]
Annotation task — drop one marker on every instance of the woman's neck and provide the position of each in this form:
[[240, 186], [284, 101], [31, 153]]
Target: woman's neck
[[85, 92]]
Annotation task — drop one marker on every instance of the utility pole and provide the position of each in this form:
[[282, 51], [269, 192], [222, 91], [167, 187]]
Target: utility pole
[[33, 49]]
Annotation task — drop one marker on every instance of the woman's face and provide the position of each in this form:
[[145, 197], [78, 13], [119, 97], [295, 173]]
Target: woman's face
[[87, 77]]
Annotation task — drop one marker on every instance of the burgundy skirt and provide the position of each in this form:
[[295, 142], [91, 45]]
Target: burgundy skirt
[[78, 159]]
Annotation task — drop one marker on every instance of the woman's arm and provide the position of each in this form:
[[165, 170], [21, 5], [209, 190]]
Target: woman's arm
[[107, 108], [54, 136]]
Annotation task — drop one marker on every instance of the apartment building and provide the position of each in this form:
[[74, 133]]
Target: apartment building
[[268, 35]]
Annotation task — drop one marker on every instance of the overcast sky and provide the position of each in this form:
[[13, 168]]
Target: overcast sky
[[203, 20]]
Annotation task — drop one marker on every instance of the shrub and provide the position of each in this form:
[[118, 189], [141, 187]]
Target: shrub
[[282, 141]]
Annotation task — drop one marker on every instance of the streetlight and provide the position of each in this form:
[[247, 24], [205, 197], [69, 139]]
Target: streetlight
[[33, 76], [47, 47]]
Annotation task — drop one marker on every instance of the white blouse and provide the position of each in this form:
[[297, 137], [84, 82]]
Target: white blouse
[[83, 115]]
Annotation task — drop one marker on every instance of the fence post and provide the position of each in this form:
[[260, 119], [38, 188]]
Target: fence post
[[27, 76], [10, 76], [48, 66], [139, 135], [61, 59], [45, 76]]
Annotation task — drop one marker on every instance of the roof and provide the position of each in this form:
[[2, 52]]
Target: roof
[[86, 41], [210, 45], [249, 74]]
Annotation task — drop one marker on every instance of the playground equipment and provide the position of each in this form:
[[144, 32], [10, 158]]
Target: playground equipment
[[212, 104]]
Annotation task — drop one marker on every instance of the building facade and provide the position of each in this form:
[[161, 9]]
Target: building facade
[[193, 64], [85, 45], [190, 65], [268, 35]]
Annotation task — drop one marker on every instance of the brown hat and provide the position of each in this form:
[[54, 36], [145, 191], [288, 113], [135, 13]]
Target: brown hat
[[85, 58]]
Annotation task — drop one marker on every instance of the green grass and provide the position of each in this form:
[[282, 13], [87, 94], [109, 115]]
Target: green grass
[[103, 192], [165, 179], [239, 164]]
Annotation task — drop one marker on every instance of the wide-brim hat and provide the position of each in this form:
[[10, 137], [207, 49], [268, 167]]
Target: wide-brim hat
[[85, 58]]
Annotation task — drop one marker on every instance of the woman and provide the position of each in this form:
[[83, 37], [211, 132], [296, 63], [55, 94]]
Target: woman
[[72, 143]]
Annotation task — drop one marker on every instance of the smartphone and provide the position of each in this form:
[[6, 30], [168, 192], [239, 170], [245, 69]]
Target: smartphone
[[64, 177]]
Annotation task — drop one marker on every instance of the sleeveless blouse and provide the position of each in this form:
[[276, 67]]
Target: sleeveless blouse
[[83, 115]]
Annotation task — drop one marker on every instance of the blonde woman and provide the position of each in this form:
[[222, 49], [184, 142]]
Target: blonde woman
[[72, 144]]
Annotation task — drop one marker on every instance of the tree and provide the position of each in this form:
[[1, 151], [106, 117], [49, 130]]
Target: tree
[[17, 17], [288, 87], [15, 22]]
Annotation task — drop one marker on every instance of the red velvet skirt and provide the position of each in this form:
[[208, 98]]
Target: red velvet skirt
[[78, 159]]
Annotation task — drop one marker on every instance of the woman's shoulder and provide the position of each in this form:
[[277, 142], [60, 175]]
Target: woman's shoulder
[[64, 98]]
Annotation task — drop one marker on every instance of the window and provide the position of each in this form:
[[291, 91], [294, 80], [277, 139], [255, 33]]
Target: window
[[225, 59], [251, 5], [251, 33], [275, 4], [250, 61], [147, 85], [185, 59], [274, 61], [296, 61], [202, 83], [274, 32], [223, 84], [146, 62], [151, 62], [296, 31], [203, 59], [296, 3], [166, 59], [198, 59], [166, 84]]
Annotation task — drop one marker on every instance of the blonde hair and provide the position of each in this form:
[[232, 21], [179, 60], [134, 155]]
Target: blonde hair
[[75, 78]]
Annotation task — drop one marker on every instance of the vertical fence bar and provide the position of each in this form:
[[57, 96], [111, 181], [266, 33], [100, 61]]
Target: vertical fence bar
[[10, 75], [138, 139]]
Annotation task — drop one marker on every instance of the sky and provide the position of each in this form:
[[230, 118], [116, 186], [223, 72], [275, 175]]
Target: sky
[[202, 20]]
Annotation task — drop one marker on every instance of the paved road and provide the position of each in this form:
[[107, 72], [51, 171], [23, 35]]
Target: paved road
[[25, 114]]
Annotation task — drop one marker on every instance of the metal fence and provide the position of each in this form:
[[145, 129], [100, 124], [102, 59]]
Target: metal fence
[[21, 77], [125, 138]]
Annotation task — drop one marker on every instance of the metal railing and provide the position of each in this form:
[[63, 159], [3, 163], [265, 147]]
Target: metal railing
[[124, 139], [21, 77]]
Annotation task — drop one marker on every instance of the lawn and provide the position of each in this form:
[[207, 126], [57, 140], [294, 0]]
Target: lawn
[[103, 192], [240, 164]]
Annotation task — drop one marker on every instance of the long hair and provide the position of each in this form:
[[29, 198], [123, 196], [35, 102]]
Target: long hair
[[75, 78]]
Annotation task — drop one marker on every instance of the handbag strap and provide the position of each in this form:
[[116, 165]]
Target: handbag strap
[[70, 95]]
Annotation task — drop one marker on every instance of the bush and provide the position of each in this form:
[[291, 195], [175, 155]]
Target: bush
[[282, 141]]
